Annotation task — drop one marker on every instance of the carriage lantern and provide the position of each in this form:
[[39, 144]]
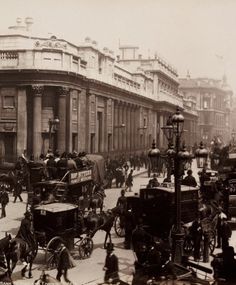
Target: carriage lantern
[[185, 157], [201, 155], [154, 155], [168, 131]]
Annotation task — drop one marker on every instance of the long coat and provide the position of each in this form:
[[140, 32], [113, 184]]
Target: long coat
[[112, 268], [65, 261], [25, 233]]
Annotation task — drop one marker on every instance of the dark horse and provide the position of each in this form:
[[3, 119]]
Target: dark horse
[[103, 221], [5, 272], [97, 198], [19, 250]]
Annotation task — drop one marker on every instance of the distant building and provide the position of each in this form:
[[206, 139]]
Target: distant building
[[214, 106], [102, 104]]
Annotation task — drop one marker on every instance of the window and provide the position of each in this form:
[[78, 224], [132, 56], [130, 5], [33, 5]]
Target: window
[[8, 101], [74, 103], [205, 104], [144, 122]]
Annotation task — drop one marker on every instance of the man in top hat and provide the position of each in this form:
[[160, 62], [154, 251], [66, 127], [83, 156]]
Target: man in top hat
[[25, 232], [189, 180], [111, 267], [224, 231], [65, 262]]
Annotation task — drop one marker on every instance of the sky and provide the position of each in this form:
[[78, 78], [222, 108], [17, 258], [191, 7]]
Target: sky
[[194, 35]]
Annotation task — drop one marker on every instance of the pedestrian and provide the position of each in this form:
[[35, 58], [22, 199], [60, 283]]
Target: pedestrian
[[129, 181], [4, 200], [153, 182], [196, 234], [224, 231], [26, 232], [189, 180], [17, 192], [111, 266], [121, 203], [126, 168], [65, 262], [141, 241], [129, 226]]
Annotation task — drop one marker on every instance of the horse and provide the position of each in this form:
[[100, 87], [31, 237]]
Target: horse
[[5, 277], [103, 221], [97, 198], [4, 249], [19, 250]]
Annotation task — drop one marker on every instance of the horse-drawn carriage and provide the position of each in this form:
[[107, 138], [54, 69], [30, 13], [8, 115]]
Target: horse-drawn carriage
[[61, 222], [82, 187]]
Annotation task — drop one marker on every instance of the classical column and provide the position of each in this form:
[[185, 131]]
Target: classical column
[[120, 128], [61, 133], [82, 121], [37, 119], [128, 128], [131, 129], [69, 121], [135, 125], [125, 129], [21, 121], [115, 128], [161, 137]]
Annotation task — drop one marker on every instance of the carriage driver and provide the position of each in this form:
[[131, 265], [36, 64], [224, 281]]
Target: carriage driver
[[25, 232]]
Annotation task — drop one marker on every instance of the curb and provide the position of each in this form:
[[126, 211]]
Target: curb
[[140, 172]]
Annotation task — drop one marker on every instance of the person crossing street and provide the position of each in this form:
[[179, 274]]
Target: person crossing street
[[4, 200]]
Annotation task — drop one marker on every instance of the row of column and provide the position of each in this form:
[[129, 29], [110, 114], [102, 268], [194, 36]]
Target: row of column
[[126, 122], [64, 134]]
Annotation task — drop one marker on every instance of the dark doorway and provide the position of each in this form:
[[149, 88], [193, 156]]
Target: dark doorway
[[9, 145]]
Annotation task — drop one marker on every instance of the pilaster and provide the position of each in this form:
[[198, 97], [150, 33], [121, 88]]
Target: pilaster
[[61, 133], [37, 119], [21, 121]]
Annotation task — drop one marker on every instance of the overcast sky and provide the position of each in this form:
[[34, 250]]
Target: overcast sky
[[194, 35]]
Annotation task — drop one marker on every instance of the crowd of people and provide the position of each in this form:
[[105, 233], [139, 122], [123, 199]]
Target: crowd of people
[[149, 250]]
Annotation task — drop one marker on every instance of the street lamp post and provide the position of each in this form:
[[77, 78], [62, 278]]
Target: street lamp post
[[51, 124], [175, 128], [153, 155]]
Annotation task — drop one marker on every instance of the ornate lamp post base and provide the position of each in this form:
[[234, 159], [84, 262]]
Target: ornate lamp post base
[[177, 246]]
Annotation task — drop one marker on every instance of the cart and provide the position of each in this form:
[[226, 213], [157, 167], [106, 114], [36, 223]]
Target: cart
[[60, 222]]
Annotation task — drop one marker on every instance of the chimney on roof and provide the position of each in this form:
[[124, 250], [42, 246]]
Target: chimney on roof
[[188, 75], [29, 22], [139, 56], [18, 21], [94, 43], [105, 49], [87, 40], [118, 57]]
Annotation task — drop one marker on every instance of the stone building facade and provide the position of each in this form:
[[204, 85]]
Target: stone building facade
[[102, 104], [214, 106]]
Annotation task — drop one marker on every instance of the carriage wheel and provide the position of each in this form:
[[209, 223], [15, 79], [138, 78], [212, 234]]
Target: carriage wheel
[[212, 243], [51, 256], [119, 228], [86, 247]]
